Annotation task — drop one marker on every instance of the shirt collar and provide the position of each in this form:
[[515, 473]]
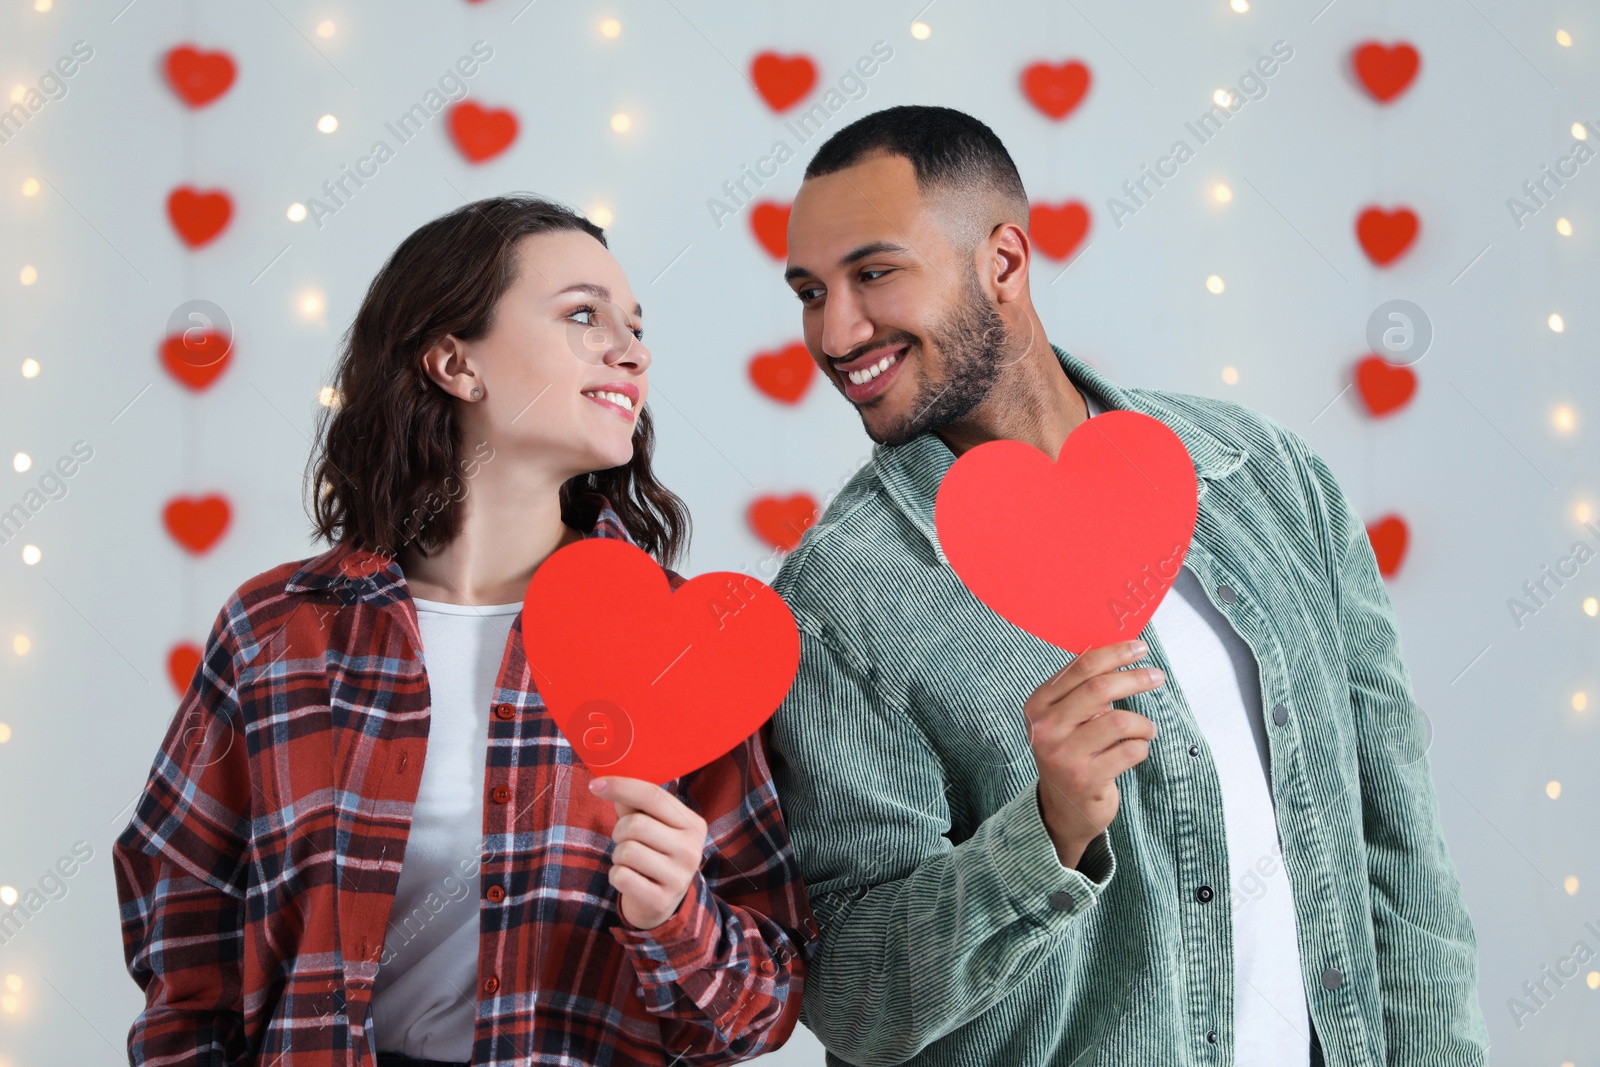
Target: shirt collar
[[912, 472], [368, 575]]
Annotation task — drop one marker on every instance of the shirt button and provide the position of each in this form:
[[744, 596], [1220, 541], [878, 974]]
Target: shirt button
[[1061, 900], [1332, 978], [1211, 1036], [1280, 715], [496, 894], [490, 984], [501, 794], [1203, 894], [1226, 594], [1194, 750], [505, 711]]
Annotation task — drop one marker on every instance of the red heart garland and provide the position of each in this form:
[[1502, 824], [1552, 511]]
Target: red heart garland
[[1058, 229], [199, 77], [182, 662], [1386, 72], [769, 221], [197, 357], [1078, 551], [1056, 89], [649, 682], [1386, 235], [197, 523], [779, 521], [481, 133], [197, 216], [782, 81], [784, 375], [1389, 536], [1384, 387]]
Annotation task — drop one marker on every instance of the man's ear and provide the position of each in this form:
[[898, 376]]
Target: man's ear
[[1010, 255]]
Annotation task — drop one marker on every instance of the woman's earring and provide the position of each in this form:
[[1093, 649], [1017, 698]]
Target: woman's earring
[[476, 393]]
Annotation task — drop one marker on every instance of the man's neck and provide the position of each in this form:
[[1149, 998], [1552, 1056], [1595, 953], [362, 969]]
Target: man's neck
[[1034, 402]]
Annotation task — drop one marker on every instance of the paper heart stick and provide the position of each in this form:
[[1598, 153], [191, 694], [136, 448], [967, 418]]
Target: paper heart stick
[[649, 682], [1078, 551]]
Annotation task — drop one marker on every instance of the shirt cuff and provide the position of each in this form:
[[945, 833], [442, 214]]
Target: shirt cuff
[[1025, 858], [681, 945]]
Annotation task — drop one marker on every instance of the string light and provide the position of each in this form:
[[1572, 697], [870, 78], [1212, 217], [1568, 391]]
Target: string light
[[296, 212], [1563, 38], [42, 6], [30, 368], [21, 644], [5, 733], [18, 92], [1241, 6], [1222, 98], [1591, 606], [1563, 418], [328, 396], [1230, 375], [1580, 700], [1556, 322], [1571, 885], [327, 124], [1583, 512], [13, 983], [1221, 193], [610, 27], [1552, 789], [1593, 979], [601, 216], [921, 31], [312, 304], [1215, 284], [326, 29], [30, 187], [31, 554], [29, 275], [621, 122], [1580, 131], [8, 895], [1564, 226], [21, 462]]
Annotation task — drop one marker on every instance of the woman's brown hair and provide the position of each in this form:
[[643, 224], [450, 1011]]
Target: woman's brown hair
[[388, 450]]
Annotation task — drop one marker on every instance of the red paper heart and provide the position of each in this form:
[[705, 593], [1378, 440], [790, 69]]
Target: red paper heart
[[1056, 89], [785, 374], [1389, 536], [649, 682], [1385, 235], [1058, 229], [769, 221], [782, 81], [197, 523], [1386, 71], [198, 216], [199, 77], [779, 521], [182, 662], [196, 357], [481, 133], [1080, 551], [1384, 387]]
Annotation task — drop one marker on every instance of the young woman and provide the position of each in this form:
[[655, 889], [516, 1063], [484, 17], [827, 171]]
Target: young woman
[[363, 841]]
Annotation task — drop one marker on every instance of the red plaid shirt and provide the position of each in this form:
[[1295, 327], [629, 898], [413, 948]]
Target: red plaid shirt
[[257, 875]]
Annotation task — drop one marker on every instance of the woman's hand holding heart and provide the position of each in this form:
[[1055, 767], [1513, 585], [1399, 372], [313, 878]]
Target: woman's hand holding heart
[[659, 845]]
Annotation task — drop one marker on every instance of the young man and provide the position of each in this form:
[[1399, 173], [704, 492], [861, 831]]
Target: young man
[[1024, 858]]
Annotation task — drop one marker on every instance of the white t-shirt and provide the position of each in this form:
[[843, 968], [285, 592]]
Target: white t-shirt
[[425, 997], [1216, 672]]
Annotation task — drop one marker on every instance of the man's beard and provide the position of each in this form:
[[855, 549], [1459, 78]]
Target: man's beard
[[972, 341]]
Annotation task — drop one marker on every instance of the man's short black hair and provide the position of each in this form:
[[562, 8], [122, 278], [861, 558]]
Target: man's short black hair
[[948, 149]]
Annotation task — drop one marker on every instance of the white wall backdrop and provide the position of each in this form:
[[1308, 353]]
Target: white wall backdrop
[[1491, 465]]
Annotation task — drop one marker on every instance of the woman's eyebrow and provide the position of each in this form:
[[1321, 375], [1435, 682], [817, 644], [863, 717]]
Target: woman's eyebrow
[[599, 291]]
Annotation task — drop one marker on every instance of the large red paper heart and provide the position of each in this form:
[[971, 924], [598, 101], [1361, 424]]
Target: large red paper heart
[[481, 133], [199, 77], [1386, 71], [782, 81], [779, 521], [1384, 387], [198, 216], [182, 662], [1389, 536], [769, 221], [785, 374], [1079, 551], [1058, 229], [1385, 235], [649, 682], [1056, 88], [197, 523], [197, 357]]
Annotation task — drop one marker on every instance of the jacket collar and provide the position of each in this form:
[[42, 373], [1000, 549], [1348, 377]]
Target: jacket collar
[[363, 574], [912, 472]]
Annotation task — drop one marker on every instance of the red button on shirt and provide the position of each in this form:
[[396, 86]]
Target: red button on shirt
[[501, 794], [496, 894], [490, 984], [505, 711]]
